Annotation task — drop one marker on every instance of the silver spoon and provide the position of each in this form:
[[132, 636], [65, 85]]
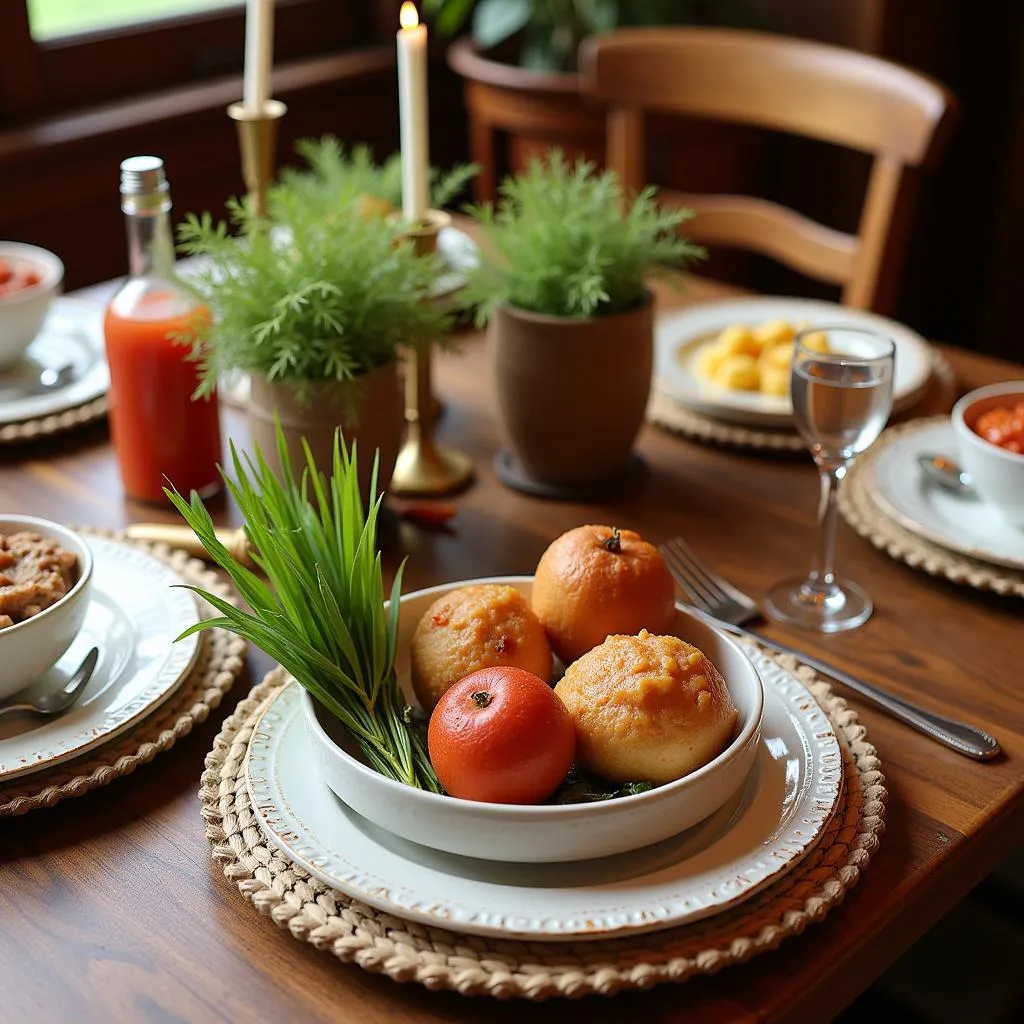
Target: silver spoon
[[56, 701], [946, 473], [49, 379]]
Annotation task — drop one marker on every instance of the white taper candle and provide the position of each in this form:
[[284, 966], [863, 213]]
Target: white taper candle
[[412, 112], [259, 50]]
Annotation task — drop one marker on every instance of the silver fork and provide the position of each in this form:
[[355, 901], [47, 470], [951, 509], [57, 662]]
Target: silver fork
[[717, 599]]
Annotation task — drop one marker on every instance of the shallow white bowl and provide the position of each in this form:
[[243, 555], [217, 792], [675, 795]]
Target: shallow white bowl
[[998, 473], [22, 313], [539, 833], [29, 648]]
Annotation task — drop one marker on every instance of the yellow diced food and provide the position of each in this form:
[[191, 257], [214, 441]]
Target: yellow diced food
[[774, 380], [738, 372], [774, 332], [816, 341], [709, 360], [737, 340], [777, 356]]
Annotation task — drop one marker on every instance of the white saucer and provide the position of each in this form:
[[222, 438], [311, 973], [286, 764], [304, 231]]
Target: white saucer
[[765, 830], [681, 334], [966, 525], [72, 333], [133, 617]]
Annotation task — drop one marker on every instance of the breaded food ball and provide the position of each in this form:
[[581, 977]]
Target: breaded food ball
[[471, 628], [647, 708]]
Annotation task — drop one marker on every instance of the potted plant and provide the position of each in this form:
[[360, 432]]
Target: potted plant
[[315, 305], [518, 63], [563, 285]]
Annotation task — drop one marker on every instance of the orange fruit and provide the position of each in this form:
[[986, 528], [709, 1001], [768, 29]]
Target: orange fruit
[[475, 627], [594, 581], [647, 708], [502, 736]]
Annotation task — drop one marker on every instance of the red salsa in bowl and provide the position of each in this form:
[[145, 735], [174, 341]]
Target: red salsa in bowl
[[1003, 426]]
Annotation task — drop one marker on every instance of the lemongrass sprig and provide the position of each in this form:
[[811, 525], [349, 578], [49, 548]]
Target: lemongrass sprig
[[319, 612]]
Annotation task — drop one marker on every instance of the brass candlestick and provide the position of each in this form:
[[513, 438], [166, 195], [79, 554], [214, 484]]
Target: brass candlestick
[[422, 467], [257, 140]]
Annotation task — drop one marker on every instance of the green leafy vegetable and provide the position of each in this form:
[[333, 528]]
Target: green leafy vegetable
[[320, 612], [579, 787]]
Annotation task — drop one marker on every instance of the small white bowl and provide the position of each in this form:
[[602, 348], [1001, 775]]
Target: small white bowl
[[998, 473], [546, 832], [29, 648], [22, 313]]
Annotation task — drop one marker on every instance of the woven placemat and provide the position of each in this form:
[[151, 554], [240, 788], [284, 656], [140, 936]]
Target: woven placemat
[[472, 965], [668, 414], [217, 666], [55, 423], [862, 512]]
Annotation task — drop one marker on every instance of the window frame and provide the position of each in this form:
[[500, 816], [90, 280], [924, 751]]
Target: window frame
[[52, 77]]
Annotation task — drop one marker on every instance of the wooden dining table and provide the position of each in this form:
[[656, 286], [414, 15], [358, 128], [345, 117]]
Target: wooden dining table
[[111, 908]]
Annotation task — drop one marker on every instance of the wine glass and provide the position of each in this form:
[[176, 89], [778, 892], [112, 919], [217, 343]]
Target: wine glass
[[841, 386]]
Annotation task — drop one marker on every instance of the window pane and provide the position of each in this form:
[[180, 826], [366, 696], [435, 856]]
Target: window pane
[[51, 18]]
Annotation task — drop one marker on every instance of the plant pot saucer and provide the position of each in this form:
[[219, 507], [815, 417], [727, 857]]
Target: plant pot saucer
[[511, 473]]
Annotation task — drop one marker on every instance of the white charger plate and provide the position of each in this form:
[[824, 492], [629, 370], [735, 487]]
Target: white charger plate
[[72, 334], [968, 526], [133, 617], [775, 820], [680, 336]]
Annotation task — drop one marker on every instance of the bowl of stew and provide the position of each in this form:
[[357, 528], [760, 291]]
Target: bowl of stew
[[30, 278], [989, 426]]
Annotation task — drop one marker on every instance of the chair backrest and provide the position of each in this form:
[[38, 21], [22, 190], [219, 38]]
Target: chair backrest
[[790, 85]]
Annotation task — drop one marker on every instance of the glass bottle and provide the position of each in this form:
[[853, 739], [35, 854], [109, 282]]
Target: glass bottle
[[160, 434]]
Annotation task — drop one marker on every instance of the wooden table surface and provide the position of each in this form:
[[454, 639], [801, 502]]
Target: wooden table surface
[[111, 908]]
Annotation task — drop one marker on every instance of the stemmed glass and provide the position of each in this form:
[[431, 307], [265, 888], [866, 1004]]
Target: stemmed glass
[[841, 400]]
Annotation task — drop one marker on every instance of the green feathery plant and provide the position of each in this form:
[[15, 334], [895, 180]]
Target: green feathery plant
[[320, 295], [566, 241], [335, 174], [320, 612]]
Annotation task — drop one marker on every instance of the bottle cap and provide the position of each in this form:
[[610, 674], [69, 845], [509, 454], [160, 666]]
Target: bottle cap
[[142, 175]]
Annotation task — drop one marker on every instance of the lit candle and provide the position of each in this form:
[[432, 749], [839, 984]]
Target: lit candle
[[259, 48], [412, 112]]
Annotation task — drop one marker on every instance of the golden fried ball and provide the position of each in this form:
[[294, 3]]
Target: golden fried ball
[[647, 707], [471, 628]]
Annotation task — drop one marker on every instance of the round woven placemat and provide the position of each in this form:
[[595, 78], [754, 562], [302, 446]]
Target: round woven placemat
[[861, 511], [56, 423], [668, 414], [471, 965], [217, 666]]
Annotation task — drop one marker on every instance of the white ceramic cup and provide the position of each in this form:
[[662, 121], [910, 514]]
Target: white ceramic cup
[[998, 473], [22, 313]]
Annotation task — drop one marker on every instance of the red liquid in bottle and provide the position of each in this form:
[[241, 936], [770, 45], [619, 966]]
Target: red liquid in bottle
[[161, 435]]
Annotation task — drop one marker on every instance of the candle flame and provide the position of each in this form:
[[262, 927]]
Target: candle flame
[[407, 16]]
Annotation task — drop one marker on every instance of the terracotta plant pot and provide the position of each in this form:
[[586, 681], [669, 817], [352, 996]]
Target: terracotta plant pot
[[572, 392], [380, 424]]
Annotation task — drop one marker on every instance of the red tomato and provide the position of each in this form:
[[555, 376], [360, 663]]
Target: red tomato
[[501, 735]]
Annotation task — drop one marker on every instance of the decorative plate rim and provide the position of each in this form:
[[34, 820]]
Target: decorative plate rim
[[803, 826]]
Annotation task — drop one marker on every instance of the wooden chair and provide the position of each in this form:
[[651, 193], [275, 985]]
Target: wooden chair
[[790, 85]]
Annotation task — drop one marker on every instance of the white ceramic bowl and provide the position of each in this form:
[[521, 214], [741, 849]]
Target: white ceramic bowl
[[512, 832], [29, 648], [998, 473], [23, 312]]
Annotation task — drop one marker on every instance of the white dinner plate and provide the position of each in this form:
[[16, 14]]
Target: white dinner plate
[[772, 823], [72, 334], [969, 526], [136, 609], [681, 334]]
